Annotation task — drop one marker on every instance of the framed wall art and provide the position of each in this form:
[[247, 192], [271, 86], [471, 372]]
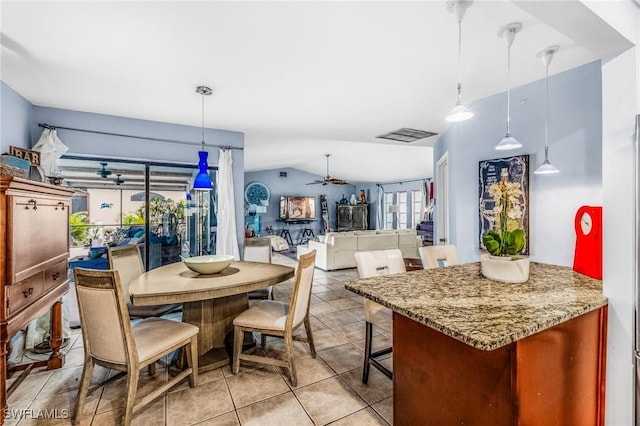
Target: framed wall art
[[504, 196]]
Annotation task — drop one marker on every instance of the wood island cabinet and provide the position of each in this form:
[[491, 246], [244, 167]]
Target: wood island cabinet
[[34, 250]]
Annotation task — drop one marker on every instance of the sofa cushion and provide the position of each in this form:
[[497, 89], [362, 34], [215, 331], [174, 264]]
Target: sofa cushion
[[367, 232], [343, 242], [278, 243], [407, 238], [377, 242]]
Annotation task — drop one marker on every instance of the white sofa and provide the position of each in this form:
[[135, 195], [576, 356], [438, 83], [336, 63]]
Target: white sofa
[[335, 249]]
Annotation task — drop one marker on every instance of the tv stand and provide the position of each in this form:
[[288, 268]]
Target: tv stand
[[296, 221]]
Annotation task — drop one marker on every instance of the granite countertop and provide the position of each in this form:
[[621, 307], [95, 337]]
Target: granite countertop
[[459, 302]]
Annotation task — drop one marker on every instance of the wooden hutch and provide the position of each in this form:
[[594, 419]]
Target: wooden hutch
[[34, 250]]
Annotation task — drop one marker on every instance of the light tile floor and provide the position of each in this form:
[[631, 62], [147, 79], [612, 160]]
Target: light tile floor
[[329, 388]]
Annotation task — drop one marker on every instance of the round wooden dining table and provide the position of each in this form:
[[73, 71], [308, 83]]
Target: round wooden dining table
[[210, 302]]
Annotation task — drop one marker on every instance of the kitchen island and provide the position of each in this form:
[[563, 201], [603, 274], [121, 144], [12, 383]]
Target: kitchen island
[[468, 350]]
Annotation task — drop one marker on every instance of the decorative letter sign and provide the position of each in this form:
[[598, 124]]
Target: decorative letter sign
[[587, 259]]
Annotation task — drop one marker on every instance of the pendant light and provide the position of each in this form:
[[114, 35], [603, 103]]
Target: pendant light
[[459, 112], [509, 32], [202, 181], [546, 168]]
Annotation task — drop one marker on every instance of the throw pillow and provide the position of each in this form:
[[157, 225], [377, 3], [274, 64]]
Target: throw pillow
[[278, 243]]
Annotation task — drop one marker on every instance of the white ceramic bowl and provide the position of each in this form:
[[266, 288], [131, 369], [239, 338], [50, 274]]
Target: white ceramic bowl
[[208, 264]]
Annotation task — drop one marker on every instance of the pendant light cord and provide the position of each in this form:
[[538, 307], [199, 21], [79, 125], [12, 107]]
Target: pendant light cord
[[459, 61], [508, 87], [546, 115], [203, 121]]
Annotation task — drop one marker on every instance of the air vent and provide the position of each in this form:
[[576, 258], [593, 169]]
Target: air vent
[[406, 135]]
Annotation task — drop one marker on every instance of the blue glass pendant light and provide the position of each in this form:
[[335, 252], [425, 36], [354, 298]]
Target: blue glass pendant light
[[202, 181]]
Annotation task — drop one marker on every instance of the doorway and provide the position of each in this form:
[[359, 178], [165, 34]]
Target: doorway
[[442, 200]]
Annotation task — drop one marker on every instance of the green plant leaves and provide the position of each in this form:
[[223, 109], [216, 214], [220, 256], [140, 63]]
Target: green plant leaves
[[507, 243]]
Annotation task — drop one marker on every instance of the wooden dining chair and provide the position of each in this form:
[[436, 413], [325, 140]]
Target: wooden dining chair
[[258, 250], [128, 262], [439, 256], [275, 318], [112, 342], [371, 264]]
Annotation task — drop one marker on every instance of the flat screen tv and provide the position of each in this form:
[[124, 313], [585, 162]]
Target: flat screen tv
[[292, 208]]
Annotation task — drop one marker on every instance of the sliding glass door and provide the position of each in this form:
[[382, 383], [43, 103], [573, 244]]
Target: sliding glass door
[[128, 202]]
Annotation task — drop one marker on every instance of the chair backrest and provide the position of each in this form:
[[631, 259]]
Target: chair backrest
[[257, 250], [104, 318], [439, 256], [128, 262], [379, 262], [301, 296]]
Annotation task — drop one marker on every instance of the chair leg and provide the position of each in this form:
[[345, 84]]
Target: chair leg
[[307, 327], [263, 340], [288, 342], [192, 360], [238, 338], [367, 351], [132, 386], [151, 369], [87, 371]]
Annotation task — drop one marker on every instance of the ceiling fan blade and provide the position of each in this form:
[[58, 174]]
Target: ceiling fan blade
[[315, 182], [336, 181]]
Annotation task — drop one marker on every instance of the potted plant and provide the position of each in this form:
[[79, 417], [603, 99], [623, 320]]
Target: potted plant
[[506, 242]]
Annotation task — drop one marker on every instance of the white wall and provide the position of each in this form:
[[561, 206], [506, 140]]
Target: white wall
[[620, 103]]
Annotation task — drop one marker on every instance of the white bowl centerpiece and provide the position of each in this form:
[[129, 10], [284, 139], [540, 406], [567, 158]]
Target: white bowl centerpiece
[[506, 243], [210, 264]]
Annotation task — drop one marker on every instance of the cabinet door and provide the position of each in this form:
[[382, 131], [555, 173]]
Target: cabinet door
[[360, 217], [344, 217], [39, 235]]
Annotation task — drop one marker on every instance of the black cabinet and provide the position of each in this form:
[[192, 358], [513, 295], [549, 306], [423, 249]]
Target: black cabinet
[[352, 217]]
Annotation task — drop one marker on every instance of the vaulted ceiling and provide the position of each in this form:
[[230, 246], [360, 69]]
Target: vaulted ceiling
[[300, 79]]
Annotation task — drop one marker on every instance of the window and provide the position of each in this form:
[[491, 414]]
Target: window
[[402, 210], [416, 201], [388, 216]]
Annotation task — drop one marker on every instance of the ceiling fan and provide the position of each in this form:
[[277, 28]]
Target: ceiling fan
[[118, 181], [103, 172], [328, 179]]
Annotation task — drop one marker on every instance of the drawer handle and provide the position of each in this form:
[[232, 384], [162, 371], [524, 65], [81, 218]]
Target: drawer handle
[[28, 293], [33, 203], [60, 205], [56, 276]]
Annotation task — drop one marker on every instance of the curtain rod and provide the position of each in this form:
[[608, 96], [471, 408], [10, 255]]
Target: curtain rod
[[48, 126], [404, 181]]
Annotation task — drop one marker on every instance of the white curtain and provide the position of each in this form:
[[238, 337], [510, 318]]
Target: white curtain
[[227, 239], [425, 194], [379, 216]]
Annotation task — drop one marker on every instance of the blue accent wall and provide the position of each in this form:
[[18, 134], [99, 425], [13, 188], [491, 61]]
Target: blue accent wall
[[15, 116], [575, 147], [296, 184]]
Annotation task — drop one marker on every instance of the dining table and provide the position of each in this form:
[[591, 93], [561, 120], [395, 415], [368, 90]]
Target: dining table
[[210, 302]]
